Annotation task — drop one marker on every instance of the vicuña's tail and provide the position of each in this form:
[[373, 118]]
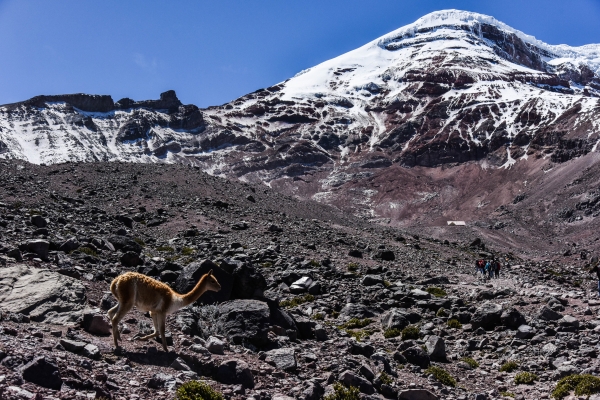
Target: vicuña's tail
[[113, 288]]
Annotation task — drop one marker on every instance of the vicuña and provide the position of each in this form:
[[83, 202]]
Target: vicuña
[[147, 294]]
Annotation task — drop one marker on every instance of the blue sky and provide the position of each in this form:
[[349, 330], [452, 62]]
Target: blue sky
[[211, 52]]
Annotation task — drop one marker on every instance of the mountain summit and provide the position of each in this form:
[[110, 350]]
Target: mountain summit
[[453, 88]]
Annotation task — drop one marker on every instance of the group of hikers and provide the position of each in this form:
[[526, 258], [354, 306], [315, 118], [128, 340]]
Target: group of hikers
[[488, 268]]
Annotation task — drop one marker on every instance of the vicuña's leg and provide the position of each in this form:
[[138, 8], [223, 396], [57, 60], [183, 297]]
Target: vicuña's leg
[[162, 318], [156, 331], [120, 313], [112, 311]]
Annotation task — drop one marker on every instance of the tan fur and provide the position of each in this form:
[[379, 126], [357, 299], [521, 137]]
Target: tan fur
[[147, 294]]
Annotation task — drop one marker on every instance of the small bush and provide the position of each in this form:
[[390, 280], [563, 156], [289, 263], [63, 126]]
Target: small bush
[[359, 334], [387, 284], [441, 313], [187, 251], [525, 378], [353, 267], [88, 251], [437, 292], [266, 264], [319, 316], [335, 314], [454, 324], [343, 393], [296, 301], [355, 323], [391, 332], [385, 379], [509, 366], [314, 263], [507, 394], [441, 375], [167, 249], [472, 363], [140, 242], [410, 332], [583, 385], [194, 390]]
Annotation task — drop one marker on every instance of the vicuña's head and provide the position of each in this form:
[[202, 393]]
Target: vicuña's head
[[211, 282]]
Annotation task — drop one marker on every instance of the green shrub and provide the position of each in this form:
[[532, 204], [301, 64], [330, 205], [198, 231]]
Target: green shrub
[[387, 284], [509, 366], [525, 378], [391, 332], [507, 394], [410, 332], [385, 379], [454, 324], [359, 334], [140, 242], [296, 301], [88, 251], [266, 264], [355, 323], [472, 363], [437, 292], [167, 249], [319, 316], [583, 385], [353, 267], [441, 313], [441, 375], [343, 393], [187, 251], [335, 314], [314, 263], [194, 390]]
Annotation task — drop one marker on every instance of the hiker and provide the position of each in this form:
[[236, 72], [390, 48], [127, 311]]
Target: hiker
[[596, 268], [487, 270], [492, 268], [479, 264], [497, 269]]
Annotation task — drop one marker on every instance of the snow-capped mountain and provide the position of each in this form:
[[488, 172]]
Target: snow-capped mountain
[[452, 87]]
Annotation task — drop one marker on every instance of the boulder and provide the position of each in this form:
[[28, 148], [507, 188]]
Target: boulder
[[161, 380], [235, 372], [370, 280], [416, 394], [284, 359], [569, 320], [394, 319], [131, 259], [301, 285], [525, 332], [548, 314], [39, 247], [385, 255], [420, 294], [436, 348], [191, 274], [487, 316], [124, 243], [96, 323], [43, 295], [244, 321], [350, 378], [353, 310], [512, 318], [248, 282], [42, 371], [69, 245], [215, 345], [39, 221], [417, 356]]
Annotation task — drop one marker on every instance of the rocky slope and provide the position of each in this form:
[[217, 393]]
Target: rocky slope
[[311, 296], [452, 90]]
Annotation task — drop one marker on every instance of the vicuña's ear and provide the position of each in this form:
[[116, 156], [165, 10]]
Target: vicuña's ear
[[210, 272]]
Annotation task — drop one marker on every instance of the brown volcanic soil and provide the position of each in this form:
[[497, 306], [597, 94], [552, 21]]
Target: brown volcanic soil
[[89, 201]]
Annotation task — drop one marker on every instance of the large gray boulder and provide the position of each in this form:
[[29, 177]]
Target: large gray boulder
[[42, 371], [234, 372], [548, 314], [43, 295], [416, 394], [248, 282], [39, 247], [436, 348], [191, 274], [244, 321], [512, 318], [394, 319], [284, 359], [487, 316]]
